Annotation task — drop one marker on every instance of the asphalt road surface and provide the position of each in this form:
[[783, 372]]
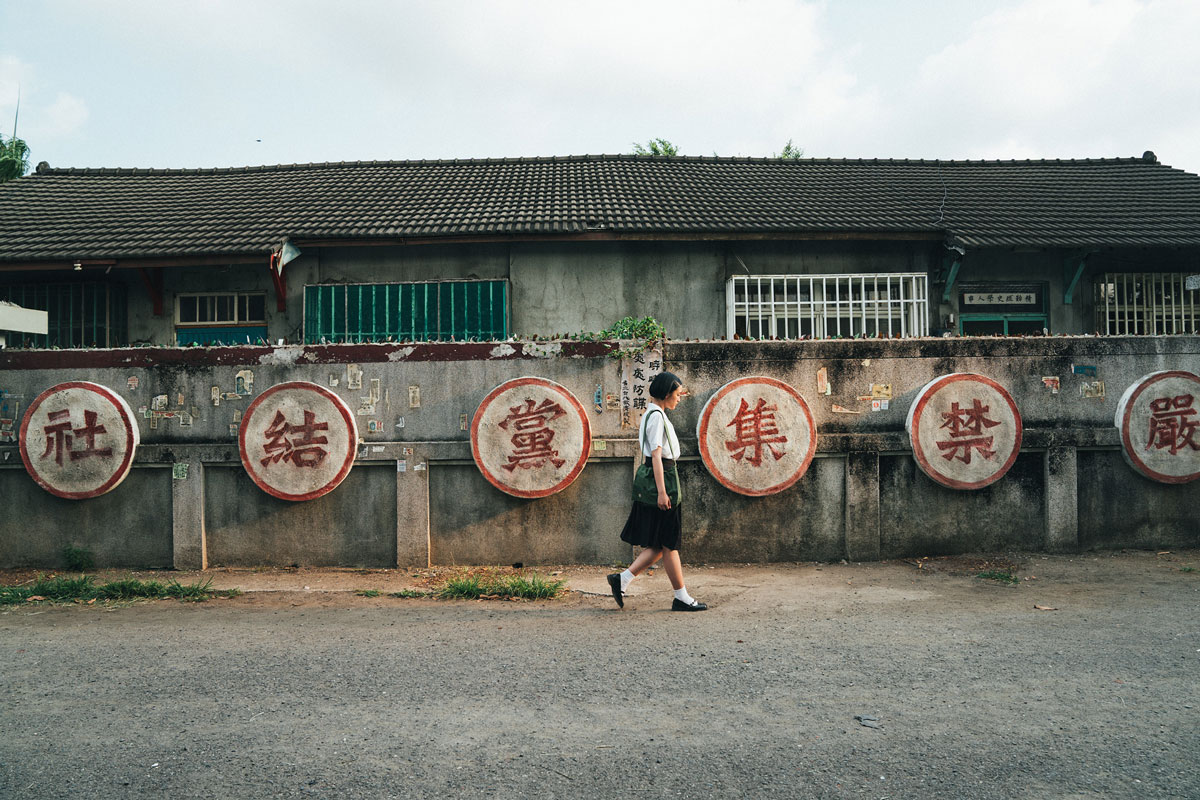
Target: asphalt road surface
[[967, 689]]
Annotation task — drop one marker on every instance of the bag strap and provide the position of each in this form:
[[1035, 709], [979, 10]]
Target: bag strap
[[641, 447]]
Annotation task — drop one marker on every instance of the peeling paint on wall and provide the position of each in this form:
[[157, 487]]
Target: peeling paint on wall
[[282, 356], [401, 354]]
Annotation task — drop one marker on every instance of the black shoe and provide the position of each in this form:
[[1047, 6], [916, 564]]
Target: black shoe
[[614, 583], [679, 605]]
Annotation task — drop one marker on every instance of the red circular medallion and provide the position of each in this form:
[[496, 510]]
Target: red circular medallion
[[530, 437], [298, 440], [965, 430], [1159, 420], [78, 440], [756, 436]]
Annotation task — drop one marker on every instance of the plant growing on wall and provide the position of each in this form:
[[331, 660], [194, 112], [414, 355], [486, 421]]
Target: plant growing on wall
[[645, 333]]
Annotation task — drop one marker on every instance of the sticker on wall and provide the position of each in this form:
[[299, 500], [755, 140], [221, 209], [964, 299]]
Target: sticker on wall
[[823, 386], [530, 437], [78, 440], [243, 382], [756, 436], [297, 440], [1052, 383], [965, 430], [1158, 418]]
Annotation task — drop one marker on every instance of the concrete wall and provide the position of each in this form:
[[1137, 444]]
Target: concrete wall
[[571, 286], [862, 498]]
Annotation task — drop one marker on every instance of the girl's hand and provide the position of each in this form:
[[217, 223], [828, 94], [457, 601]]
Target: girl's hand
[[664, 502]]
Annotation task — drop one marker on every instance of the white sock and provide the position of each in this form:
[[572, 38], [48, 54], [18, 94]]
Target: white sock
[[626, 578], [681, 594]]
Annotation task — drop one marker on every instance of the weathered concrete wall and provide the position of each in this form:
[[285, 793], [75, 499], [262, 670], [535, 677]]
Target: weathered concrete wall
[[128, 528], [415, 496], [571, 286]]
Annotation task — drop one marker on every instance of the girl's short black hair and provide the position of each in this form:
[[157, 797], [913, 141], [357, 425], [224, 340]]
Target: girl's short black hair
[[663, 384]]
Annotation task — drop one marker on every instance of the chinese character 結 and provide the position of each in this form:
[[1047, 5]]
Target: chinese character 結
[[532, 435], [754, 429], [301, 449], [61, 436], [966, 432], [1172, 424]]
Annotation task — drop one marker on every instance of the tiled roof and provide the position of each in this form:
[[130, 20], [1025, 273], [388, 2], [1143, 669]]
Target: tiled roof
[[130, 213]]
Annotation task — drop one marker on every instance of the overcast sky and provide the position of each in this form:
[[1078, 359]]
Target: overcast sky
[[202, 83]]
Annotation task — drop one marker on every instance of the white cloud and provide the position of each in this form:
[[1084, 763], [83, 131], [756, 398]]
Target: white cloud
[[64, 117], [1066, 78]]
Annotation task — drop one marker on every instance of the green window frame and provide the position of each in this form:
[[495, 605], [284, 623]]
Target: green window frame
[[427, 311], [83, 314]]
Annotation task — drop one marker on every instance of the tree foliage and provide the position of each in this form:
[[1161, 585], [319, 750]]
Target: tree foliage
[[655, 147], [14, 158], [790, 152]]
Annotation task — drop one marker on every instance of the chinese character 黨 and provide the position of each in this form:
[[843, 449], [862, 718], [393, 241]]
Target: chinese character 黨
[[755, 428], [532, 435]]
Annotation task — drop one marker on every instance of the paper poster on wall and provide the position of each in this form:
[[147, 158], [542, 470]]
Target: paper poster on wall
[[637, 371]]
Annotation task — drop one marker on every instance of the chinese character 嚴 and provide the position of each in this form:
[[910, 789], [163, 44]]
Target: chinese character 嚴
[[1172, 425], [60, 438], [301, 450], [966, 428], [754, 429], [532, 437]]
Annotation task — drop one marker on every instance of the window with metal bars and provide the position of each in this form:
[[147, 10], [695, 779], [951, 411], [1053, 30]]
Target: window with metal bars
[[1145, 304], [433, 311], [87, 314], [827, 306]]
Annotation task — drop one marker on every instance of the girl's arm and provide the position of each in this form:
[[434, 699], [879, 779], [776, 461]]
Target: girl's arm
[[664, 502]]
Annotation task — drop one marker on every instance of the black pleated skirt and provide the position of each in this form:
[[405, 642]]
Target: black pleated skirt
[[650, 526]]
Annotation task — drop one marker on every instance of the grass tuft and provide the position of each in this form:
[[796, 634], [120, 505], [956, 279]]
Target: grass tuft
[[471, 587], [408, 593], [61, 589], [999, 576], [367, 592], [79, 559]]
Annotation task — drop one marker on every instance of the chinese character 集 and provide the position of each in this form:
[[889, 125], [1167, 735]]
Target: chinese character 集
[[966, 428], [754, 429], [60, 436], [301, 450], [532, 437], [1172, 425]]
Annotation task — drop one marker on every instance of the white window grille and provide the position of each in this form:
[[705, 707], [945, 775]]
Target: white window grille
[[825, 306], [1145, 304], [226, 308]]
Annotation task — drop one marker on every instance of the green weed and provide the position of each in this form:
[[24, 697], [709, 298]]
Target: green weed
[[408, 593], [368, 592], [79, 559], [1001, 577], [1187, 569], [470, 587], [84, 588]]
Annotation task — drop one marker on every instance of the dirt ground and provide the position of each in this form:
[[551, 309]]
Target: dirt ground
[[893, 679]]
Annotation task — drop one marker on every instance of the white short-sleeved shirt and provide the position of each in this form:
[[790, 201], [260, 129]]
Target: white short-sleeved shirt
[[652, 433]]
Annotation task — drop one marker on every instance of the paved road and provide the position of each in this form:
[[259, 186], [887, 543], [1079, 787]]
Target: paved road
[[296, 695]]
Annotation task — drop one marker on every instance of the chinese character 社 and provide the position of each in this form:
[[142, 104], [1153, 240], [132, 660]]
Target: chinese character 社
[[966, 428], [1172, 424], [754, 429], [60, 438], [302, 449], [532, 437]]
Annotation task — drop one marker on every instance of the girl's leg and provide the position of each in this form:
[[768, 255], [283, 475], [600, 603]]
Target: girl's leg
[[645, 558], [674, 568]]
